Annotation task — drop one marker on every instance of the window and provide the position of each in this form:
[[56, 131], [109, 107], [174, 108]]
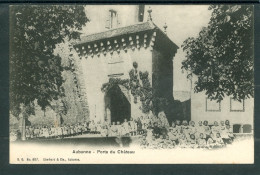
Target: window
[[236, 106], [112, 20], [212, 106], [141, 13], [236, 128], [247, 128]]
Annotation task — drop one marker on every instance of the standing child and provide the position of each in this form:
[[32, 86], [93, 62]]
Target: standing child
[[207, 130], [185, 128], [125, 128], [215, 128], [178, 126], [113, 130]]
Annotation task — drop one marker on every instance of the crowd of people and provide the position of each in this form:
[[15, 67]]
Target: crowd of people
[[152, 132], [188, 135]]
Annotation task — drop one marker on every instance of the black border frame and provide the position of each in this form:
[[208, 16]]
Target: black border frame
[[11, 169]]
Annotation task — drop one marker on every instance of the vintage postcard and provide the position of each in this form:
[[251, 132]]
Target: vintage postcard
[[135, 84]]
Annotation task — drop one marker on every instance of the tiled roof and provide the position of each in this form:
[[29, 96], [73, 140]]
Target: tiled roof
[[140, 27]]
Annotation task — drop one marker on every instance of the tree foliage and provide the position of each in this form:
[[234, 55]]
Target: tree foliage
[[35, 71], [222, 55]]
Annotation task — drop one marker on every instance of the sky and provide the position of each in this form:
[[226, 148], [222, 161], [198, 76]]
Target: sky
[[183, 21]]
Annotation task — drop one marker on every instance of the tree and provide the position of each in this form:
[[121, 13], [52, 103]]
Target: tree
[[35, 71], [222, 55]]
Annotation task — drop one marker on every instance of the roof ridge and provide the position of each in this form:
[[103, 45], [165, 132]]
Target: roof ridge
[[118, 28]]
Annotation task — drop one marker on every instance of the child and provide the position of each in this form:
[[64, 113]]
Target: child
[[104, 131], [160, 141], [182, 141], [144, 142], [201, 141], [113, 129], [98, 127], [149, 133], [215, 128], [192, 141], [192, 128], [200, 129], [119, 128], [178, 126], [153, 144], [185, 128], [132, 127], [169, 143], [173, 134], [222, 127], [227, 135], [156, 130], [139, 126], [207, 129], [27, 133], [210, 142], [125, 128], [219, 141], [92, 127]]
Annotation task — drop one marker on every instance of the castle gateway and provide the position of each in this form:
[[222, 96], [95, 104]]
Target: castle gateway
[[111, 55]]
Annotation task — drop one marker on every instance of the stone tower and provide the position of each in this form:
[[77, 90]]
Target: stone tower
[[111, 53]]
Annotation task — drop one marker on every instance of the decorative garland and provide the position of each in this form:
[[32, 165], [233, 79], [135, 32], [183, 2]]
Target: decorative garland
[[142, 89]]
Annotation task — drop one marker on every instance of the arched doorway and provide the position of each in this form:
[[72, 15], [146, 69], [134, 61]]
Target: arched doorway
[[117, 104]]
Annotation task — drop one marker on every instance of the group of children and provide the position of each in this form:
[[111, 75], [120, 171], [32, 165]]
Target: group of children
[[126, 128], [188, 135], [153, 133]]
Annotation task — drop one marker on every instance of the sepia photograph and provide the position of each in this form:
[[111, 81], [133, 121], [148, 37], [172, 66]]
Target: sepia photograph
[[131, 84]]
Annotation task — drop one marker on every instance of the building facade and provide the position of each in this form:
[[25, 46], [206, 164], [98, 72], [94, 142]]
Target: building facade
[[240, 114], [126, 39]]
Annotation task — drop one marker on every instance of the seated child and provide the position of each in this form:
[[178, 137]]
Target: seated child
[[182, 141], [173, 134], [201, 141], [169, 143], [227, 135], [192, 142], [153, 143], [144, 143], [104, 131], [160, 142], [210, 142], [219, 141]]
